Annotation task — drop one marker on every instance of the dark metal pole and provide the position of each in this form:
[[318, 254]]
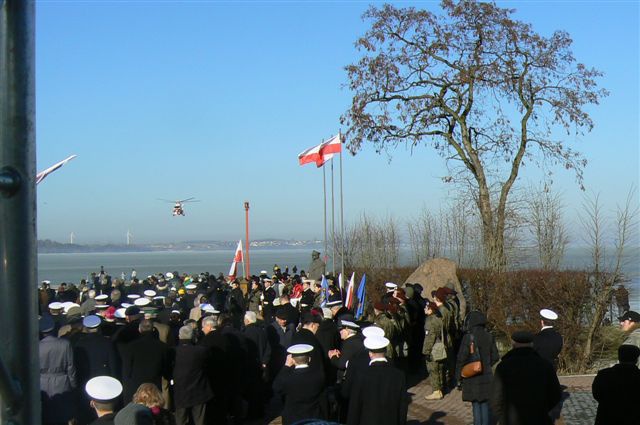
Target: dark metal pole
[[18, 256], [246, 241]]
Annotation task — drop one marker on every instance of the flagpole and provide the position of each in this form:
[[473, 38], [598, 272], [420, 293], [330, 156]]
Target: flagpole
[[324, 189], [333, 227], [341, 209], [246, 218]]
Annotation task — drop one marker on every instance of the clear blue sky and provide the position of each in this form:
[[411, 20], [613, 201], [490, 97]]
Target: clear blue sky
[[216, 99]]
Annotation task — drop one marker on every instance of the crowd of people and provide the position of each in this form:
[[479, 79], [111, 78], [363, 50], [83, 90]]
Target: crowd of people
[[202, 349]]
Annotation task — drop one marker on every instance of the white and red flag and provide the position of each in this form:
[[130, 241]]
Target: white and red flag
[[238, 257], [322, 152], [44, 173], [349, 299]]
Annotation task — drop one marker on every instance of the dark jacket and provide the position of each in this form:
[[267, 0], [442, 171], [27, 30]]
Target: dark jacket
[[57, 379], [95, 355], [303, 392], [378, 396], [191, 384], [617, 390], [144, 360], [548, 343], [305, 336], [477, 388], [257, 343], [524, 389], [293, 316], [350, 349]]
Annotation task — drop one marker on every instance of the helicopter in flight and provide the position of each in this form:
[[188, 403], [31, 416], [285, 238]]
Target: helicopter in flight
[[177, 205]]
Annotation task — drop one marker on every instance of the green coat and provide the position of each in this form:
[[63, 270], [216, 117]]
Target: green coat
[[447, 323], [432, 332]]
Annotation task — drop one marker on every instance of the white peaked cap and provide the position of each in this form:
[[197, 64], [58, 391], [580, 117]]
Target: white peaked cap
[[141, 302], [372, 331], [376, 343], [103, 388], [168, 275], [391, 285], [133, 296], [56, 305], [101, 297], [119, 314], [208, 308], [548, 314], [299, 349], [149, 293], [191, 286], [125, 305], [69, 305], [348, 324]]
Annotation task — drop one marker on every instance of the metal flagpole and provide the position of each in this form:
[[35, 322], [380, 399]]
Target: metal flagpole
[[341, 211], [19, 361], [333, 227], [246, 242], [324, 189]]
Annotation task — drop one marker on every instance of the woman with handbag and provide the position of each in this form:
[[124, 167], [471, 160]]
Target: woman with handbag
[[477, 354], [434, 350]]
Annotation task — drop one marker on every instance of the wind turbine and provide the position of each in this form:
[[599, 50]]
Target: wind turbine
[[129, 236], [71, 236]]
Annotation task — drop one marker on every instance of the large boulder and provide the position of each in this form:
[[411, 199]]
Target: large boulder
[[436, 273]]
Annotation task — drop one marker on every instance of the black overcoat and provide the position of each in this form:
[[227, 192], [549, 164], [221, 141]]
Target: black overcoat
[[146, 359], [378, 396], [548, 343], [191, 385], [304, 394], [617, 390], [524, 388]]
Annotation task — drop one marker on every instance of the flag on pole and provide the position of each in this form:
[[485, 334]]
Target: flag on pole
[[322, 152], [328, 149], [325, 291], [44, 173], [237, 258], [362, 295], [349, 296]]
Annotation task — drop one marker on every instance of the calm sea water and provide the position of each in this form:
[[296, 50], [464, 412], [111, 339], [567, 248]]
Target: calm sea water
[[74, 267]]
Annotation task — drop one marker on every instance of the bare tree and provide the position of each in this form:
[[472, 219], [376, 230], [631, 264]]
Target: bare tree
[[605, 274], [373, 244], [547, 226], [482, 88]]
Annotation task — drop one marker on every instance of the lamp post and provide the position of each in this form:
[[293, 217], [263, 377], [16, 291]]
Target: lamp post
[[246, 242]]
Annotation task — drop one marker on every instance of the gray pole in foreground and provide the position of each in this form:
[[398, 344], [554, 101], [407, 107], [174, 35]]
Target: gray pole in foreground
[[20, 387]]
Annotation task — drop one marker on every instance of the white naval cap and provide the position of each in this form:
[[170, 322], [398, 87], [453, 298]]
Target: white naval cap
[[91, 321], [69, 305], [376, 343], [300, 349], [334, 303], [348, 324], [370, 331], [548, 314], [391, 285], [120, 313], [133, 296], [191, 286], [101, 297], [208, 308], [168, 275], [56, 305], [125, 305], [149, 293], [141, 302], [103, 388]]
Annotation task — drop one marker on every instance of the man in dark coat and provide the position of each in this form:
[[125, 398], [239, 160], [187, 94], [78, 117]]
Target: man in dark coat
[[352, 345], [235, 304], [525, 387], [268, 296], [219, 372], [144, 360], [103, 393], [279, 335], [191, 386], [57, 375], [306, 335], [301, 386], [293, 316], [378, 394], [308, 296], [548, 342], [616, 390], [259, 355], [94, 355]]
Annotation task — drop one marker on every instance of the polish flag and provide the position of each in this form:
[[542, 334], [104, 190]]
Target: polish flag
[[328, 149], [44, 173], [349, 297], [237, 258], [322, 152]]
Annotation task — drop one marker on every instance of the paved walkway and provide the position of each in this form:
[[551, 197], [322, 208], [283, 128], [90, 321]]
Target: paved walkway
[[579, 407]]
